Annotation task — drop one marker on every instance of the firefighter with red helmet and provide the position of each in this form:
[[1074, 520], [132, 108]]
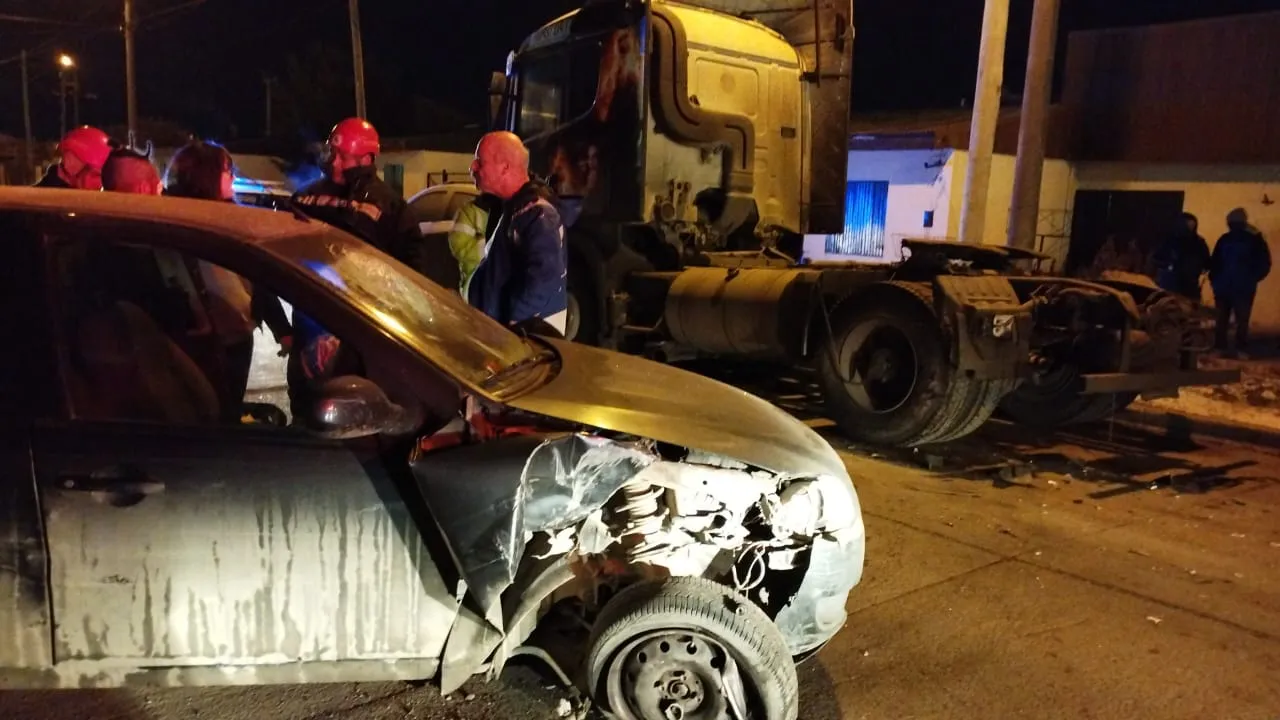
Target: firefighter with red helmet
[[352, 197], [83, 152]]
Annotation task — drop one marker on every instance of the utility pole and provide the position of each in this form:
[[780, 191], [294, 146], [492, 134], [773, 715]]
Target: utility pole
[[26, 120], [1024, 210], [357, 55], [131, 91], [75, 97], [986, 115], [267, 82], [62, 102]]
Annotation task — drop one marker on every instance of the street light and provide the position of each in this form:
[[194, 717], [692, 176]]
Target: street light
[[68, 78]]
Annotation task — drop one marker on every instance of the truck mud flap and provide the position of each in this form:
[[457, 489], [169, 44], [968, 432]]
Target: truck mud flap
[[989, 326]]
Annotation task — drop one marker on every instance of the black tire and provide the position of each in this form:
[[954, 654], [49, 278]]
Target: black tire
[[1057, 403], [982, 399], [583, 323], [934, 406], [689, 622]]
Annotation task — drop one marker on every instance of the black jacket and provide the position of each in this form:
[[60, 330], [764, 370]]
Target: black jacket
[[523, 275], [368, 208], [1180, 261]]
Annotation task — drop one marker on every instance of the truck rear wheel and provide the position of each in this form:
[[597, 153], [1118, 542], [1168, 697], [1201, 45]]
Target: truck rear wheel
[[1055, 401], [583, 322], [886, 376]]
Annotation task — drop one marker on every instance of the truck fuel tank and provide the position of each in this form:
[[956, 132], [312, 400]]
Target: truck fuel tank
[[754, 312]]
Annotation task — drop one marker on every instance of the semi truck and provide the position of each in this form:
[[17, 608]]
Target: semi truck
[[693, 145]]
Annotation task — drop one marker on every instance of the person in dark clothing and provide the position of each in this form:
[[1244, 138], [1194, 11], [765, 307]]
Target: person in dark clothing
[[1182, 259], [353, 198], [1240, 261], [523, 274], [83, 151], [205, 171]]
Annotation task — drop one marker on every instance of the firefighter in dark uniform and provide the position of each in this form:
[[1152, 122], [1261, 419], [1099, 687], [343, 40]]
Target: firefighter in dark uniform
[[83, 152], [353, 198]]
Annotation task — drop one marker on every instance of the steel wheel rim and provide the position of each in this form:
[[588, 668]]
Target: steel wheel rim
[[682, 682], [881, 367], [573, 317]]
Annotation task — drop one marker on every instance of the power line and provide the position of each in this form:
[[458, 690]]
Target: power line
[[5, 17]]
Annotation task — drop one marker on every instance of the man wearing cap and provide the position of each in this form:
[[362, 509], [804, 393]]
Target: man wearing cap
[[83, 152], [352, 197]]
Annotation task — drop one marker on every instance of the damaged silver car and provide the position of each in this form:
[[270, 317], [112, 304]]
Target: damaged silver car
[[425, 511]]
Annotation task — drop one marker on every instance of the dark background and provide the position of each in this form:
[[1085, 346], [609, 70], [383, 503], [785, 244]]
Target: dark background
[[201, 64]]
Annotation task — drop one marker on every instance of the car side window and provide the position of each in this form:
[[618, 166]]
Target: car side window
[[149, 334]]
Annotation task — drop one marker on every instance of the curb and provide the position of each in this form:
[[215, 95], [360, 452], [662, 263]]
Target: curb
[[1184, 425]]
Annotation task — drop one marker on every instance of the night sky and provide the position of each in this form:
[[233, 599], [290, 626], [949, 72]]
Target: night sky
[[427, 61]]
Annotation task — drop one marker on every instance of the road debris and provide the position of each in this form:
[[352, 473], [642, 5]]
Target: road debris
[[1154, 620], [564, 708]]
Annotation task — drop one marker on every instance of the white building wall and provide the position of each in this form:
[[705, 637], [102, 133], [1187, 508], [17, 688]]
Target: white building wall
[[1057, 191], [924, 180], [918, 183], [423, 165]]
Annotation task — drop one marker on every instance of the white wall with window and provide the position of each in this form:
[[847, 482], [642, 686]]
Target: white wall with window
[[896, 194]]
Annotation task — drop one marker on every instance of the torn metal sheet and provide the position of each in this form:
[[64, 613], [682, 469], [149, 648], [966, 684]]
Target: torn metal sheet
[[489, 498]]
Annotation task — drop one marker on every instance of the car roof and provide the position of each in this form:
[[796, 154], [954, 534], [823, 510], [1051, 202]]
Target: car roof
[[446, 187], [249, 224]]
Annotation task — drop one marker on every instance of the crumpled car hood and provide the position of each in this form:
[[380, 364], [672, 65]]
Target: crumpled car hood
[[627, 394]]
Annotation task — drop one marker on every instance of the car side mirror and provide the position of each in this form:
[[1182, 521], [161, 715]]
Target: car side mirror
[[351, 406], [497, 99]]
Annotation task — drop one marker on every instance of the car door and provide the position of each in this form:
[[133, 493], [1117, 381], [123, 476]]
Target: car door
[[184, 542]]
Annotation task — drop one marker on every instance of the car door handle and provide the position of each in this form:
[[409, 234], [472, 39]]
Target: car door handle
[[116, 481]]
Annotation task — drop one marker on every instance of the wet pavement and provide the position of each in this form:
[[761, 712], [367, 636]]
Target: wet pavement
[[1105, 573]]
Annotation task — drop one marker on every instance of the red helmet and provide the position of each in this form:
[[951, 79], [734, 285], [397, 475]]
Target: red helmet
[[354, 136], [89, 144]]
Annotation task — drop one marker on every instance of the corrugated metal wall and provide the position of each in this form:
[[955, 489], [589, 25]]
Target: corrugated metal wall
[[866, 209], [1196, 92]]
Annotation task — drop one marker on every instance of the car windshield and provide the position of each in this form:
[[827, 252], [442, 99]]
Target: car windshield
[[435, 322]]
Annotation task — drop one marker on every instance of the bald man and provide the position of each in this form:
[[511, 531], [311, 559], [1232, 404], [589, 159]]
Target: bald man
[[521, 280], [129, 171]]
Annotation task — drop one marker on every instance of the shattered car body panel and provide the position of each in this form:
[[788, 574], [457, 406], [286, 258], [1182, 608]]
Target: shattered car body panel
[[607, 503]]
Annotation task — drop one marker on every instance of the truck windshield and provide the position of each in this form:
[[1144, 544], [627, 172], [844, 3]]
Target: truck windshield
[[557, 85], [435, 322]]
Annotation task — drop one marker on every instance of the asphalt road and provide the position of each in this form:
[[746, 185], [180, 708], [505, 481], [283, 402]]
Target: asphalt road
[[1110, 574]]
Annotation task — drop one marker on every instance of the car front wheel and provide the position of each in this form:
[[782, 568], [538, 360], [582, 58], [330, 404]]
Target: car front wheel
[[689, 648]]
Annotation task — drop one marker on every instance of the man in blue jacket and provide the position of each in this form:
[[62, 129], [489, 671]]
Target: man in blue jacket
[[521, 280], [1240, 261]]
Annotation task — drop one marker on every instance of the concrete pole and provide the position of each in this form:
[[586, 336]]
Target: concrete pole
[[131, 90], [986, 115], [1024, 210], [62, 99], [26, 122], [357, 56]]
